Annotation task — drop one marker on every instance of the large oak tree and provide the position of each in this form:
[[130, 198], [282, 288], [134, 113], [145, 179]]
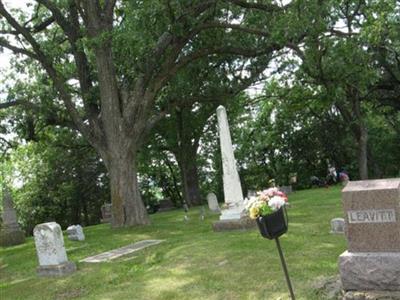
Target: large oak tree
[[109, 61]]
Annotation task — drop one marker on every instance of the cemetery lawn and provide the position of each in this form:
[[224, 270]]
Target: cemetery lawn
[[194, 262]]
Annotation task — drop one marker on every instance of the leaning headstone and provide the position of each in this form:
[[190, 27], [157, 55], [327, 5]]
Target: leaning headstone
[[50, 250], [372, 216], [232, 216], [75, 233], [213, 202], [337, 226], [106, 213], [10, 233]]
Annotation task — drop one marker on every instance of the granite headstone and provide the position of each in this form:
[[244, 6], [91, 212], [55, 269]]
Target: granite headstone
[[337, 226], [372, 228], [75, 233], [213, 202]]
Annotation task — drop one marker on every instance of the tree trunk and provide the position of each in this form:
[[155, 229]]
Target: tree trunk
[[190, 178], [363, 153], [355, 119], [127, 205]]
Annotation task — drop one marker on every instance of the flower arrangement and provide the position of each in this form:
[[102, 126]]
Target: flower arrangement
[[265, 203]]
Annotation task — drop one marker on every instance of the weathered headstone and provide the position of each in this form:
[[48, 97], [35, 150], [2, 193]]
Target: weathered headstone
[[337, 226], [287, 189], [10, 233], [75, 233], [213, 202], [106, 213], [50, 250], [372, 215], [232, 215]]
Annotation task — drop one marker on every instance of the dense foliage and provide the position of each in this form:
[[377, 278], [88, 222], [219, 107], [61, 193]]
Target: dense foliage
[[330, 79]]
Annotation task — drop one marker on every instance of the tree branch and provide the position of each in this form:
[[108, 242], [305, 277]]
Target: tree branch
[[5, 44], [58, 80], [259, 6]]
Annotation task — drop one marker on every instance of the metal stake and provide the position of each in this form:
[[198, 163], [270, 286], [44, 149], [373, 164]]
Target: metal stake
[[278, 245]]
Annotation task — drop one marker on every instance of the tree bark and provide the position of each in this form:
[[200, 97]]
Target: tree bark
[[127, 205], [363, 152]]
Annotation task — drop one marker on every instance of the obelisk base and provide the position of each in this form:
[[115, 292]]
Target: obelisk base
[[11, 238], [244, 223]]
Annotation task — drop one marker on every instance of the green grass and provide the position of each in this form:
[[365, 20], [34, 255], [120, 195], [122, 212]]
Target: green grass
[[193, 263]]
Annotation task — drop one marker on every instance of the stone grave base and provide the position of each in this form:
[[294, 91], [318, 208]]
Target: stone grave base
[[372, 295], [375, 271], [12, 238], [243, 223], [56, 270], [119, 252]]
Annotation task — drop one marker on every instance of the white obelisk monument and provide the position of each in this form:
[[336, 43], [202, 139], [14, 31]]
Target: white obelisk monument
[[232, 189]]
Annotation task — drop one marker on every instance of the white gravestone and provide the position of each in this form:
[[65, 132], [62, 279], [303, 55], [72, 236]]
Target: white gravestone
[[213, 202], [337, 225], [50, 250], [232, 188], [75, 233]]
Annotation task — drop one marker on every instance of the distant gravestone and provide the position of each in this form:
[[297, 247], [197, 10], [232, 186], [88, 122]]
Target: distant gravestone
[[337, 226], [50, 251], [10, 233], [213, 202], [287, 189], [372, 216], [75, 233], [251, 193], [106, 213], [202, 213], [166, 204]]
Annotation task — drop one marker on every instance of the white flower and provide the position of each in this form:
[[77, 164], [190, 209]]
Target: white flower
[[276, 202], [248, 202]]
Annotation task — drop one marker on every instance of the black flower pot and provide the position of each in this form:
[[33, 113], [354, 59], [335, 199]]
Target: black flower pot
[[273, 225]]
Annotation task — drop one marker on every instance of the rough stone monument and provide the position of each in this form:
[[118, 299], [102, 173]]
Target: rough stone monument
[[337, 226], [232, 215], [50, 250], [106, 213], [372, 216], [75, 233], [10, 233], [213, 203]]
